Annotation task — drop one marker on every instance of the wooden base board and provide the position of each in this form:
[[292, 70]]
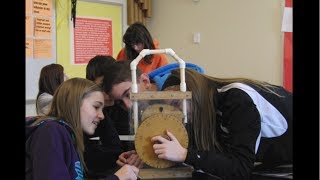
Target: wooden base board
[[166, 173]]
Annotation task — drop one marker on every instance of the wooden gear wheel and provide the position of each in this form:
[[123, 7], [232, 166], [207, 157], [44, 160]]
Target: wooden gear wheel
[[154, 125], [162, 109]]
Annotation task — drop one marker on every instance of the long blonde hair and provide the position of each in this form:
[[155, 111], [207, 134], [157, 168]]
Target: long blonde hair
[[66, 104], [204, 91]]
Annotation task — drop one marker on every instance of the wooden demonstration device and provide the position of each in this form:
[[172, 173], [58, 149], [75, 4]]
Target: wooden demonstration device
[[153, 114], [163, 117]]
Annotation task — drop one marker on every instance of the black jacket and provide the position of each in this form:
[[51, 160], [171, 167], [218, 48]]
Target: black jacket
[[101, 155], [237, 129], [120, 119]]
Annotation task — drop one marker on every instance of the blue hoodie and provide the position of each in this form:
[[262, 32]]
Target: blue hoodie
[[160, 74]]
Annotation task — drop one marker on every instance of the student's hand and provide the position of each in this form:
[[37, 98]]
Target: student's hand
[[122, 160], [169, 149], [135, 160], [131, 158], [127, 172]]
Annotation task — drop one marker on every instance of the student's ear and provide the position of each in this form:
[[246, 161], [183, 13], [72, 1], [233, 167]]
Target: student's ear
[[145, 81]]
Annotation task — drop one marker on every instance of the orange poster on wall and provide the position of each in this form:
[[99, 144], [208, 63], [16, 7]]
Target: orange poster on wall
[[42, 7], [92, 37], [39, 27], [42, 27], [42, 48], [29, 31], [29, 47], [28, 7]]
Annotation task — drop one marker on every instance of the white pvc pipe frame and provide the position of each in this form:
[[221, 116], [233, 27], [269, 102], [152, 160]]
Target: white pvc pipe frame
[[134, 86]]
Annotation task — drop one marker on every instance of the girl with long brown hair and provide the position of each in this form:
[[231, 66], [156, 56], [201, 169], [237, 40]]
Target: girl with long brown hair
[[234, 123]]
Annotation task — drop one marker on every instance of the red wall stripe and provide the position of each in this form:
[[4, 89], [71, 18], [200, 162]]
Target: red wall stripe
[[287, 58], [288, 3], [288, 61]]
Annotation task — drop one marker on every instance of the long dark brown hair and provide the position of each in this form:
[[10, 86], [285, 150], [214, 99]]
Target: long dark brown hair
[[203, 108], [137, 33], [51, 76]]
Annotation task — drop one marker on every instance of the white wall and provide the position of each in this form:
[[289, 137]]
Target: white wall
[[31, 109], [238, 38]]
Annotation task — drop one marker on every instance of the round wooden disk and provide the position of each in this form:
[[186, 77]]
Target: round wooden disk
[[162, 109], [157, 125]]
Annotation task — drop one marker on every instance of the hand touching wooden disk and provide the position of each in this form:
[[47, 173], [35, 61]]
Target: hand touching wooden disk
[[154, 125]]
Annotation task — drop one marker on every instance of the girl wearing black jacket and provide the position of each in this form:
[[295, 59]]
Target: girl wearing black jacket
[[234, 123]]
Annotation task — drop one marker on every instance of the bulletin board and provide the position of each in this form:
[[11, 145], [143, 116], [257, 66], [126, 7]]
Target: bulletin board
[[94, 19], [40, 44]]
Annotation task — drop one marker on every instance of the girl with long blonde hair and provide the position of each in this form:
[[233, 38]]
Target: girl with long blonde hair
[[54, 143]]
